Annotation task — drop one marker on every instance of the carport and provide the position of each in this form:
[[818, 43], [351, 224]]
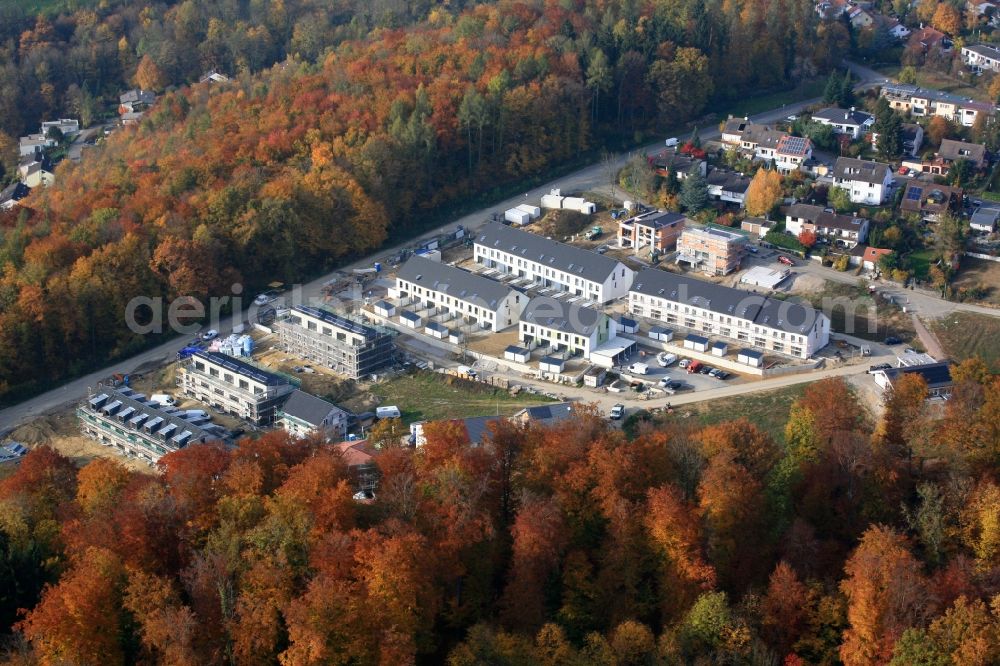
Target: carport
[[613, 352]]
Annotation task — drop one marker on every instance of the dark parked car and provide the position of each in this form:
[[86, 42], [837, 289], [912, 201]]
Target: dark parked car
[[722, 374], [705, 369], [893, 340]]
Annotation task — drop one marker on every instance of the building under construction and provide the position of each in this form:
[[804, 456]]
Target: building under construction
[[344, 345]]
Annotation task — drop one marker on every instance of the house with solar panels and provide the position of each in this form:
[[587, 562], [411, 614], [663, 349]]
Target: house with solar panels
[[545, 263], [487, 303], [709, 309], [140, 428], [792, 152], [335, 341], [235, 386]]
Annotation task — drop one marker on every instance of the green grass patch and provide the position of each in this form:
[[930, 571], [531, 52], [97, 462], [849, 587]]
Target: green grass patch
[[920, 263], [768, 410], [431, 396], [782, 240], [967, 334]]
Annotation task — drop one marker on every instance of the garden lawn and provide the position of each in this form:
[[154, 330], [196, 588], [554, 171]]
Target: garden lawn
[[431, 396], [966, 334]]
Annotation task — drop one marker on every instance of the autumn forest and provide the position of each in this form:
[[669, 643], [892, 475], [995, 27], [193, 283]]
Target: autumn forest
[[843, 542], [345, 123]]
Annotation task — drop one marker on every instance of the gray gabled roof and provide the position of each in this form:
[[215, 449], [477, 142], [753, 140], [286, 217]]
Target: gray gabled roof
[[849, 168], [729, 181], [961, 150], [552, 254], [562, 316], [840, 116], [824, 218], [937, 375], [454, 282], [308, 408], [782, 315]]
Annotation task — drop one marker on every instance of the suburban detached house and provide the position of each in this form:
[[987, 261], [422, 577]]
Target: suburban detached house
[[68, 126], [713, 249], [866, 182], [564, 327], [760, 142], [727, 186], [832, 9], [784, 327], [732, 130], [867, 257], [305, 414], [930, 200], [792, 153], [929, 39], [850, 122], [11, 195], [950, 152], [860, 18], [983, 219], [911, 136], [549, 263], [33, 145], [490, 304], [981, 57], [918, 101], [656, 230], [845, 230], [671, 163], [135, 101], [36, 171], [896, 29], [937, 376]]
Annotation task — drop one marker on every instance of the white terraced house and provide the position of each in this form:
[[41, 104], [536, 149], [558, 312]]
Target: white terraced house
[[549, 263], [492, 305], [711, 309], [564, 327], [982, 56]]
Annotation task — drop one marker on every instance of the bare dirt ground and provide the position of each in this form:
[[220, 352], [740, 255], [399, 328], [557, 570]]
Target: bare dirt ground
[[803, 284], [62, 433], [980, 273]]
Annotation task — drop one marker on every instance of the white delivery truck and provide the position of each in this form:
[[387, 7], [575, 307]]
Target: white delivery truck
[[638, 369], [388, 412]]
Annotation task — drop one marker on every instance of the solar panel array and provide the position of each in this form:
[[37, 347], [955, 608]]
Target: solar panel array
[[242, 368], [795, 145], [340, 322], [914, 193]]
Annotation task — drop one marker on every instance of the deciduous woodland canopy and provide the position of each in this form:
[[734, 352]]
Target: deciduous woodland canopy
[[843, 543], [292, 167]]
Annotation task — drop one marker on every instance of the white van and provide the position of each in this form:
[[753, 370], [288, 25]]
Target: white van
[[666, 359], [163, 399], [388, 412], [638, 369], [672, 142]]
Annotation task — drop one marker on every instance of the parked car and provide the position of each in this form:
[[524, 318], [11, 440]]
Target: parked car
[[705, 369], [685, 362], [617, 412], [723, 375], [752, 249], [714, 372], [904, 170], [210, 334], [694, 366], [792, 118], [163, 399], [879, 366], [602, 249], [665, 359], [785, 260], [893, 340], [672, 142]]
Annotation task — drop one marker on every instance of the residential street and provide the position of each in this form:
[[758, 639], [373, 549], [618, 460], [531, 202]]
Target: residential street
[[587, 178]]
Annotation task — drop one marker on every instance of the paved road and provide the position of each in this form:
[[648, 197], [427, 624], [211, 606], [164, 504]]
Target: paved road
[[585, 179]]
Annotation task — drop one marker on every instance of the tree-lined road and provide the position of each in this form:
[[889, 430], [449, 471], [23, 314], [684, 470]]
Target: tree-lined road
[[588, 178]]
